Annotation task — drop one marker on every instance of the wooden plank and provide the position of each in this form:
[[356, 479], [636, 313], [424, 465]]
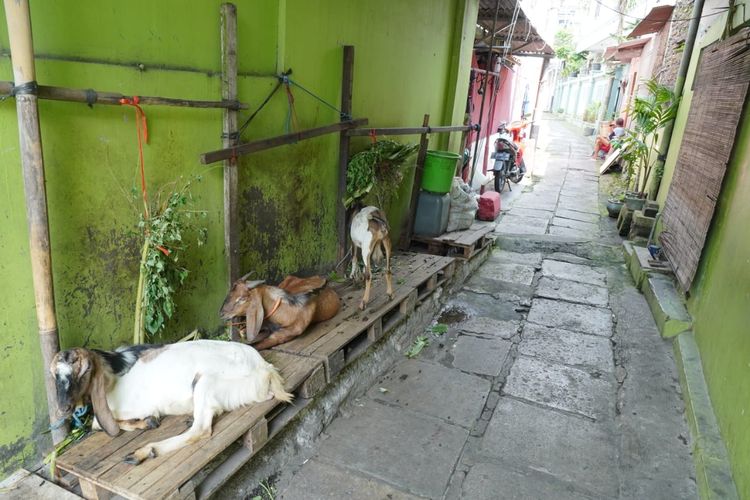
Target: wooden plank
[[90, 96], [347, 85], [416, 186], [471, 237], [424, 129], [256, 437], [315, 383], [281, 140], [163, 476], [91, 491], [229, 140], [228, 430], [401, 263]]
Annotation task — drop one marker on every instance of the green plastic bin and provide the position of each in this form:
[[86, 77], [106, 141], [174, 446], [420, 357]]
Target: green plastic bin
[[439, 169]]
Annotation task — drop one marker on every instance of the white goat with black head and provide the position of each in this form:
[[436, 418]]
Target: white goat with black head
[[132, 387], [369, 234]]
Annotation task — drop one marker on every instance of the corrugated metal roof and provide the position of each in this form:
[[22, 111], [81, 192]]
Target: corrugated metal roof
[[653, 21], [526, 41]]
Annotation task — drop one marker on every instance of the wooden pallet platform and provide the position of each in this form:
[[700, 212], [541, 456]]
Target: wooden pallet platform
[[340, 340], [97, 461], [462, 244]]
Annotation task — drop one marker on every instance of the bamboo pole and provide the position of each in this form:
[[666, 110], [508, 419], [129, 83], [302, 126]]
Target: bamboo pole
[[279, 140], [91, 97], [347, 85], [230, 140], [418, 171], [32, 163]]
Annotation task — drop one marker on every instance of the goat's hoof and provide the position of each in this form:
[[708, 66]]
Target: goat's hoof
[[362, 306], [390, 296], [189, 421], [152, 422], [132, 459], [152, 453]]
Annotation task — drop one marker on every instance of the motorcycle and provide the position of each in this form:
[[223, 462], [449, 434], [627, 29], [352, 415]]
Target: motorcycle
[[509, 147]]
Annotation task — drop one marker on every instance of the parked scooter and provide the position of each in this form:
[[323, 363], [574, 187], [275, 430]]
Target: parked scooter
[[508, 155]]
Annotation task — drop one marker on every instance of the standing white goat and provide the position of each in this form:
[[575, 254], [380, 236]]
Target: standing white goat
[[369, 232], [132, 387]]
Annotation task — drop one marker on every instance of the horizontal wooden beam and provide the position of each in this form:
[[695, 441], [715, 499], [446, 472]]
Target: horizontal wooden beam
[[280, 140], [409, 130], [89, 96]]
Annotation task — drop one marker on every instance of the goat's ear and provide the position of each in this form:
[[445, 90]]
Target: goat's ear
[[253, 314], [99, 401], [251, 285]]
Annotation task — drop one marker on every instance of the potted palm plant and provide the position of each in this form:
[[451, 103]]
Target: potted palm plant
[[640, 143]]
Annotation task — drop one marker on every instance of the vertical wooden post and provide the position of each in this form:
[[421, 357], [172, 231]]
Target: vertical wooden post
[[230, 139], [347, 81], [32, 163], [418, 171]]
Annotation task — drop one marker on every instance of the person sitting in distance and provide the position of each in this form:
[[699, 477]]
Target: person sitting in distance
[[604, 143]]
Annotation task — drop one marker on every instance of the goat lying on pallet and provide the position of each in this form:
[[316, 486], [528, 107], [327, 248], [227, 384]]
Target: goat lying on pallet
[[369, 232], [132, 387], [285, 311]]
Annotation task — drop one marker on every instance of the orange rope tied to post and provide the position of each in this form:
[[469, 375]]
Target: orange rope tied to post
[[141, 128]]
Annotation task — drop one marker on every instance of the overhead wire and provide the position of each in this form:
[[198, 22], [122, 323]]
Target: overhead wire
[[721, 11]]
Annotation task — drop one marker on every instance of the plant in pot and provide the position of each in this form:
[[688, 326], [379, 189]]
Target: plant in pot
[[616, 199], [640, 143]]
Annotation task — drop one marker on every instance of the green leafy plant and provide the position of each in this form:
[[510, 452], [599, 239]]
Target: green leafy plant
[[438, 329], [640, 143], [161, 272], [416, 347], [565, 51], [592, 111], [379, 170]]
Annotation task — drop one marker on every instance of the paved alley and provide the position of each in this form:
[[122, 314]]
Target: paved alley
[[551, 382]]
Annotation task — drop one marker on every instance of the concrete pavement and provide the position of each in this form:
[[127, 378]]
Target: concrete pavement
[[551, 381]]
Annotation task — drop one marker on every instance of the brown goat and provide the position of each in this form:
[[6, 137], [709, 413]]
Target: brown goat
[[369, 232], [285, 310]]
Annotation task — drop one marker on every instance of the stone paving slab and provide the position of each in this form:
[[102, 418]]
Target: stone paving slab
[[529, 212], [574, 272], [489, 327], [575, 224], [502, 256], [573, 317], [576, 206], [416, 454], [570, 258], [562, 387], [575, 215], [572, 291], [513, 227], [569, 448], [510, 272], [488, 481], [482, 356], [579, 197], [317, 480], [571, 233], [570, 348], [490, 306], [434, 390]]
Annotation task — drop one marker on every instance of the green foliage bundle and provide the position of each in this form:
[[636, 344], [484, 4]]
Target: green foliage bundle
[[161, 272], [640, 143], [379, 170], [592, 111]]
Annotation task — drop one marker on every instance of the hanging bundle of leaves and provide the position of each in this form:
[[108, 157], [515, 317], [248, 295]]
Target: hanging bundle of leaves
[[161, 272], [378, 169]]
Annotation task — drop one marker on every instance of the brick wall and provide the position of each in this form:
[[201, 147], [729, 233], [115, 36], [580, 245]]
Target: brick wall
[[677, 33]]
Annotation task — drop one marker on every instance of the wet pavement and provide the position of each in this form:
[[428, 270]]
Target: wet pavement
[[551, 380]]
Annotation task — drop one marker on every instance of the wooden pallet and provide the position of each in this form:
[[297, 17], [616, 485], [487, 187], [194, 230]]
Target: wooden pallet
[[462, 244], [342, 339], [97, 461]]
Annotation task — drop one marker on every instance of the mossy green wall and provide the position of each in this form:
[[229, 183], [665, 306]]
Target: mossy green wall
[[720, 296], [412, 57]]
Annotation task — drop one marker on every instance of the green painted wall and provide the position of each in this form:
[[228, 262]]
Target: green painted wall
[[412, 57], [721, 292]]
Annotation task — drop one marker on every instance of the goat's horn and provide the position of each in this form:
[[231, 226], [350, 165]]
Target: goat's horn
[[247, 275], [252, 284]]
